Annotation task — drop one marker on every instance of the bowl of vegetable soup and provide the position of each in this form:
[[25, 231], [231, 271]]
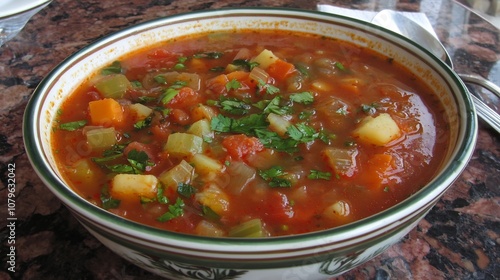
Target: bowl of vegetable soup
[[250, 143]]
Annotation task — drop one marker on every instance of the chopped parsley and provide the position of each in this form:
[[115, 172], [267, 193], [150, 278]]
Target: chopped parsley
[[114, 68], [302, 97], [276, 177], [209, 55], [72, 126], [107, 201], [174, 211], [186, 190], [315, 174], [233, 85]]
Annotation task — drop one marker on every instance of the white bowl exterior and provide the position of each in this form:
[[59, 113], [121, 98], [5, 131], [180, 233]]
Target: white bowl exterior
[[80, 67]]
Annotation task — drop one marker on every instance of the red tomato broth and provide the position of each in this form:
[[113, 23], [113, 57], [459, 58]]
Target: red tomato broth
[[344, 80]]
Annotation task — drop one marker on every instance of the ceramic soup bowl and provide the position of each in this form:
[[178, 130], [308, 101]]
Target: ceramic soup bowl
[[317, 255]]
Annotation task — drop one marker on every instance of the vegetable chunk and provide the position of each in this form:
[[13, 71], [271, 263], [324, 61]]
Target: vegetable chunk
[[133, 186], [378, 131], [183, 144], [106, 112]]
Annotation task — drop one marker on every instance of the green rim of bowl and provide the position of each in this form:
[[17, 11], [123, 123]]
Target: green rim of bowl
[[467, 136]]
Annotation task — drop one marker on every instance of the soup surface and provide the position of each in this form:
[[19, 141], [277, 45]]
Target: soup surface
[[250, 134]]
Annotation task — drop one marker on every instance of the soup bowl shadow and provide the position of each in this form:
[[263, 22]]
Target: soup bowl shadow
[[317, 255]]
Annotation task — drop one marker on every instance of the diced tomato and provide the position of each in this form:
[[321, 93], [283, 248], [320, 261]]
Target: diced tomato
[[375, 174], [180, 116], [280, 69], [218, 84], [185, 98], [240, 145], [141, 147], [161, 131], [276, 209]]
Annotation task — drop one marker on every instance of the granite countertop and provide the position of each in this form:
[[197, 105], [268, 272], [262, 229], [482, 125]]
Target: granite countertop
[[458, 239]]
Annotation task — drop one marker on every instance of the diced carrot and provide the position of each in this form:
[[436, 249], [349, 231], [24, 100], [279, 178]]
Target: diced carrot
[[106, 112], [375, 173], [280, 69], [239, 146]]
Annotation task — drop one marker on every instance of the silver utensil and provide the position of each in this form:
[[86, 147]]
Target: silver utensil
[[398, 23]]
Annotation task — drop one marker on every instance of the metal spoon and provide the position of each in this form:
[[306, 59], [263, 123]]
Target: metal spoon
[[398, 23]]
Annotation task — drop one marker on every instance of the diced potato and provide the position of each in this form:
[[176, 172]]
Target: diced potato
[[141, 111], [133, 186], [378, 131], [204, 164], [183, 144], [337, 210], [101, 138], [201, 128], [278, 124], [181, 173], [206, 228], [265, 58], [215, 198]]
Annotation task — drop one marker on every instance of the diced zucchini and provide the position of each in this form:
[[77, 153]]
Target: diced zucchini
[[215, 198], [141, 111], [181, 173], [278, 124], [265, 58], [133, 186], [251, 228], [204, 164], [201, 128], [378, 131], [342, 161], [101, 138], [183, 144], [206, 228], [113, 86]]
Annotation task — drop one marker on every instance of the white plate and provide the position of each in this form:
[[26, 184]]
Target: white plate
[[12, 7]]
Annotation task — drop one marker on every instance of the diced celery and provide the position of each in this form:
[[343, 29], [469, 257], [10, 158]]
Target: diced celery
[[265, 58], [183, 144], [142, 111], [251, 228], [204, 164], [181, 173], [201, 128], [133, 186], [206, 228], [378, 131], [101, 138], [192, 80], [215, 198], [113, 86], [342, 161], [278, 124]]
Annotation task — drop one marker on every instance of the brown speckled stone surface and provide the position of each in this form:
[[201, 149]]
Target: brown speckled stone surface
[[458, 239]]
